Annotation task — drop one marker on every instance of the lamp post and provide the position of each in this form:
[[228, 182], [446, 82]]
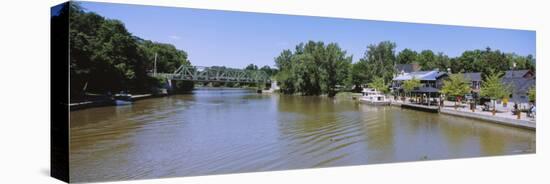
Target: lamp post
[[516, 106], [155, 66]]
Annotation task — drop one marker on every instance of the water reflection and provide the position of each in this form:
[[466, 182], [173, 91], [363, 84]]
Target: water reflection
[[230, 130]]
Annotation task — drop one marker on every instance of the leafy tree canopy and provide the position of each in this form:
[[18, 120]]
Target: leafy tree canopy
[[379, 85], [455, 85], [493, 87]]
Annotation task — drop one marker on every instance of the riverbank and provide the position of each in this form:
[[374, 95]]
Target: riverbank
[[107, 102]]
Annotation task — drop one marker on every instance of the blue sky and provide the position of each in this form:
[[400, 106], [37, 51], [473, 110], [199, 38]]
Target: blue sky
[[236, 39]]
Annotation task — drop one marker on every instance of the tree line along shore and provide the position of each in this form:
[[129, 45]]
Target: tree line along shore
[[106, 58], [314, 68]]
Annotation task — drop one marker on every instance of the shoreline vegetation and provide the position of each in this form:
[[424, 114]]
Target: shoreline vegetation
[[106, 59], [315, 68]]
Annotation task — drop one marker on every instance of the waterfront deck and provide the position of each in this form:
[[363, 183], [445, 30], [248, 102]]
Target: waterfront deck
[[502, 118], [419, 107]]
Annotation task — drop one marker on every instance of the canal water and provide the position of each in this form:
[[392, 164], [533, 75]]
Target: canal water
[[216, 131]]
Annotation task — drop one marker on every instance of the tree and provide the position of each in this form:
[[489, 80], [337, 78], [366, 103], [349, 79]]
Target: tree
[[335, 66], [456, 85], [358, 74], [379, 84], [493, 88], [410, 85], [251, 67], [488, 60], [168, 57], [532, 93], [442, 61], [379, 60], [313, 69], [268, 70], [105, 57], [427, 60], [284, 77], [407, 56]]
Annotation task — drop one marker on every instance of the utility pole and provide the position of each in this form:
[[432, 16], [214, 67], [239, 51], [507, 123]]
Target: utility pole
[[155, 66]]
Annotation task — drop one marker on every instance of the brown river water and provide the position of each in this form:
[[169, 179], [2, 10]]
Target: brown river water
[[218, 131]]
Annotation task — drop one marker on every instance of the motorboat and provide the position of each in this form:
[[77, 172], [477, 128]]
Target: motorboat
[[373, 97], [123, 98]]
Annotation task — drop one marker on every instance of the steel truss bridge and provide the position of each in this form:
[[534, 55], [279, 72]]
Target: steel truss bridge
[[215, 74]]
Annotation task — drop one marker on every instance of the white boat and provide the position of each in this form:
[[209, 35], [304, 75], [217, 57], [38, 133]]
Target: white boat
[[123, 99], [373, 97]]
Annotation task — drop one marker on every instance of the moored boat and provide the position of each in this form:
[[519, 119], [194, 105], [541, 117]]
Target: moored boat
[[373, 97], [123, 98]]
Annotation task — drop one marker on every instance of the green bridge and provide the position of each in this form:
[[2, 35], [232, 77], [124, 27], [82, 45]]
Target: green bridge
[[215, 74]]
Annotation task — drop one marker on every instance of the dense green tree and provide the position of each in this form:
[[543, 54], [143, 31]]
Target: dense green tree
[[521, 62], [532, 93], [407, 56], [380, 61], [358, 75], [105, 57], [456, 85], [335, 66], [268, 70], [410, 85], [427, 60], [251, 67], [493, 88], [313, 69], [168, 57], [442, 61], [488, 61], [285, 77], [379, 84]]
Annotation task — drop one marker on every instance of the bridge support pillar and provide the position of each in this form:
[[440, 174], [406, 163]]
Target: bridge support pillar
[[169, 86]]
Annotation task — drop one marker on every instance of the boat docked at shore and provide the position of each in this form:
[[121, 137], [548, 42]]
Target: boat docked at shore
[[123, 99], [373, 97]]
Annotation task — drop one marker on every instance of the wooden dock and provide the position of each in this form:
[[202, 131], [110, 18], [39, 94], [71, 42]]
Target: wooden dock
[[425, 108], [141, 97]]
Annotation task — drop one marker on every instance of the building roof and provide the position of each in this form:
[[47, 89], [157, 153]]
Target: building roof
[[472, 76], [407, 68], [421, 75], [516, 73], [519, 85]]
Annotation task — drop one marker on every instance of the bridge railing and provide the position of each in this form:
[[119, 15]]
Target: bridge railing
[[216, 74]]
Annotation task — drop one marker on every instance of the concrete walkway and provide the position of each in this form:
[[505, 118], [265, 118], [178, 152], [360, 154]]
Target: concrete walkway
[[503, 116]]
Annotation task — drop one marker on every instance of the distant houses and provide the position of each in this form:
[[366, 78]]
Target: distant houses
[[520, 81], [475, 81], [431, 82]]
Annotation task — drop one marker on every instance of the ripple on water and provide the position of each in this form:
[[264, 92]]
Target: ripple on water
[[214, 133]]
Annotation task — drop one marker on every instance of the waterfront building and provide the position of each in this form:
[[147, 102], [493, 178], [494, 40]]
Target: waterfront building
[[407, 68], [475, 81], [431, 82], [520, 81]]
